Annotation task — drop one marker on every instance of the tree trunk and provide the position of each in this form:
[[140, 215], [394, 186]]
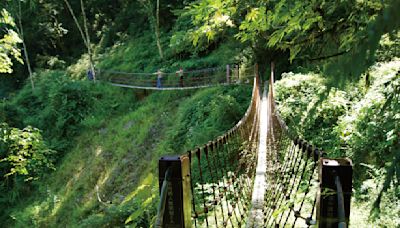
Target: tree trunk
[[85, 38], [21, 33], [154, 22], [157, 30], [88, 41]]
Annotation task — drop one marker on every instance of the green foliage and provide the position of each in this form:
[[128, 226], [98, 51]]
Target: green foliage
[[197, 122], [111, 140], [120, 154], [8, 42], [334, 35], [59, 105], [24, 158], [298, 95], [389, 47], [114, 215], [358, 122], [210, 18], [23, 153], [132, 56], [369, 131]]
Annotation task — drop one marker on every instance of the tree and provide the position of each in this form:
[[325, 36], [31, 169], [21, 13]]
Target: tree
[[84, 33], [154, 21], [306, 30], [8, 43], [15, 7]]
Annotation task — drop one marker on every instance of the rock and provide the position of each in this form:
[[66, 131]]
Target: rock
[[103, 131], [128, 125]]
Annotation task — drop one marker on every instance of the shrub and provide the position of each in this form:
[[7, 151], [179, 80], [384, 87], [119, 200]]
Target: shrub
[[23, 153], [208, 114], [358, 122], [24, 157], [58, 105]]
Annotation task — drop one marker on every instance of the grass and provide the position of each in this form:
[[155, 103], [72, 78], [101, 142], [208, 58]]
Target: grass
[[115, 159], [109, 139]]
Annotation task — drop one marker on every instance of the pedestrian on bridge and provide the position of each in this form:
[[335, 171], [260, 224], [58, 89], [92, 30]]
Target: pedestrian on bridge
[[179, 73], [90, 75], [159, 74]]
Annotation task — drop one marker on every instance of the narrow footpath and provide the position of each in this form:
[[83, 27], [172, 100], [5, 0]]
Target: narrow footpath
[[256, 216]]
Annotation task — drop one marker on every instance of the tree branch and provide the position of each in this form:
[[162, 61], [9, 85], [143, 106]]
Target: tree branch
[[329, 56]]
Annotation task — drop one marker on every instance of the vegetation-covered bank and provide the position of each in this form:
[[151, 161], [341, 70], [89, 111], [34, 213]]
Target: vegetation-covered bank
[[76, 153], [359, 121], [109, 176]]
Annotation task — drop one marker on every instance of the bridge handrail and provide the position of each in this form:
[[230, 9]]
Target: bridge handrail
[[228, 179], [185, 79], [331, 171], [163, 199]]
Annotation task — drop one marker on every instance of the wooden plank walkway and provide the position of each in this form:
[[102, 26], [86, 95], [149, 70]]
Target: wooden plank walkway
[[256, 216]]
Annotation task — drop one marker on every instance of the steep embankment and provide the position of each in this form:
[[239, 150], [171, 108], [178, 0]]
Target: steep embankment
[[107, 139], [109, 177]]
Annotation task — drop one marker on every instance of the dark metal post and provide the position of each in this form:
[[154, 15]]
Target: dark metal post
[[177, 212], [228, 74], [334, 195]]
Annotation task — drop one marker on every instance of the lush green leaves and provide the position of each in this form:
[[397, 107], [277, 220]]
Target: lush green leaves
[[356, 122], [308, 30], [8, 43], [23, 153]]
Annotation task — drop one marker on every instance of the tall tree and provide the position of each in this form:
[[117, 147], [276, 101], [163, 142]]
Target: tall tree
[[20, 30], [154, 21], [84, 35]]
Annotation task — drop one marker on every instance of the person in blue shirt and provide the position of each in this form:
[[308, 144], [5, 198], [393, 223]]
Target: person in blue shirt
[[90, 75], [159, 78]]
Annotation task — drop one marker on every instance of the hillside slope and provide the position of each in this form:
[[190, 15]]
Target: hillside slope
[[109, 178]]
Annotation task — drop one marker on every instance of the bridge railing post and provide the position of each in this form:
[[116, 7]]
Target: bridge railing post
[[237, 73], [228, 74], [334, 195], [176, 211]]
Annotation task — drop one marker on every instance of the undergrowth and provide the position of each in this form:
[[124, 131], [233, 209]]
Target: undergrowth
[[109, 176], [360, 121]]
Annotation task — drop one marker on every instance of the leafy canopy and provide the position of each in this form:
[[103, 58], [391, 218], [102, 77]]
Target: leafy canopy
[[9, 40], [311, 30]]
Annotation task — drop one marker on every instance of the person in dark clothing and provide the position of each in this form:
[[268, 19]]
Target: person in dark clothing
[[180, 74], [90, 75]]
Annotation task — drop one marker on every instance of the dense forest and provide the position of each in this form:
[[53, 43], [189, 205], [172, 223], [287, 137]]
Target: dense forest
[[82, 153]]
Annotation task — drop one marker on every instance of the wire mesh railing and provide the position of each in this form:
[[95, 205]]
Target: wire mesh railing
[[181, 79], [212, 185], [220, 174], [296, 185]]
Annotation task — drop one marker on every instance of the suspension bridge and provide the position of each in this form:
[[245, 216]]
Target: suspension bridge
[[257, 174], [178, 80]]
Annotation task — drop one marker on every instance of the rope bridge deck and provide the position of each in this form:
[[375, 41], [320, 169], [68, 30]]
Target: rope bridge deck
[[258, 174]]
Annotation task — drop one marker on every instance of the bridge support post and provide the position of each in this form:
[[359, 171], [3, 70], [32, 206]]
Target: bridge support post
[[227, 74], [334, 195], [177, 208], [237, 73]]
